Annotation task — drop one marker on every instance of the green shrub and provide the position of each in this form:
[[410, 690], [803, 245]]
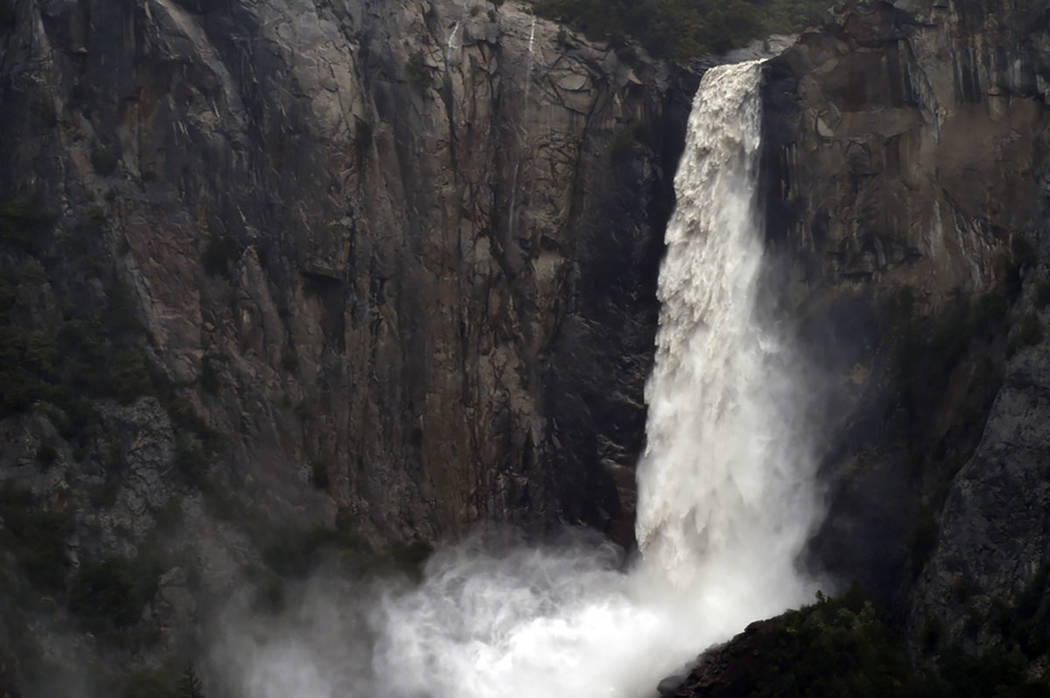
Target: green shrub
[[636, 132], [418, 73], [289, 359], [190, 460], [46, 455], [150, 683], [642, 133], [121, 314], [32, 273], [972, 623], [129, 375], [104, 494], [186, 419], [410, 558], [363, 136], [1026, 623], [683, 29], [319, 476], [1042, 294], [10, 280], [836, 647], [8, 16], [110, 594], [209, 375], [42, 107], [218, 255], [1030, 331], [189, 685], [303, 410], [104, 161], [922, 538], [294, 553], [562, 38], [842, 648], [27, 364], [990, 313], [36, 536], [169, 514], [932, 630], [1023, 253], [994, 673], [103, 595], [270, 594], [25, 223], [961, 588]]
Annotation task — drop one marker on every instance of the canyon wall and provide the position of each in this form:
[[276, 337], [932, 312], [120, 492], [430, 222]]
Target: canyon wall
[[289, 272], [907, 180]]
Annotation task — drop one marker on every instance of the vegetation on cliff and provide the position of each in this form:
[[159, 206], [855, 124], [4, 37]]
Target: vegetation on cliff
[[73, 352], [844, 647], [683, 29]]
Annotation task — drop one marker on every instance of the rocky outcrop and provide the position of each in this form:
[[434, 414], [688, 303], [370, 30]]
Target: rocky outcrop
[[906, 179], [994, 536]]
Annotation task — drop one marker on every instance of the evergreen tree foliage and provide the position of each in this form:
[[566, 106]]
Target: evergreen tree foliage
[[189, 685], [683, 29]]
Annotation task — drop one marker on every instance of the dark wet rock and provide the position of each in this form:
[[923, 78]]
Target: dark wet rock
[[905, 181]]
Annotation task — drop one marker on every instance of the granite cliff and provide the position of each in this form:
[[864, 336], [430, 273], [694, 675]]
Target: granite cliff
[[906, 200], [283, 274], [290, 275], [908, 186]]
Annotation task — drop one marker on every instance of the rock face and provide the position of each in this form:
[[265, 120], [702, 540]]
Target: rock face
[[382, 266], [413, 244], [906, 180], [389, 267]]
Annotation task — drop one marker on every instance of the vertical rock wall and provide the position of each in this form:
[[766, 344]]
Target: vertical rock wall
[[907, 184], [414, 243]]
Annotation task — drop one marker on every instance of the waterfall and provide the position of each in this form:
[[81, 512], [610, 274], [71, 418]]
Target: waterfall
[[725, 492], [451, 45], [725, 495], [524, 121], [528, 64]]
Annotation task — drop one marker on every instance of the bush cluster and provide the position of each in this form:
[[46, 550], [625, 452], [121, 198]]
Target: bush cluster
[[218, 256], [418, 73], [110, 594], [104, 161], [843, 648], [683, 29], [36, 537]]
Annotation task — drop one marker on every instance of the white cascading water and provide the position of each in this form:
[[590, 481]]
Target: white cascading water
[[725, 493], [725, 484]]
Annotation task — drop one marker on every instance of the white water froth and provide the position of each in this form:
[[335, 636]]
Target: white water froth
[[725, 498]]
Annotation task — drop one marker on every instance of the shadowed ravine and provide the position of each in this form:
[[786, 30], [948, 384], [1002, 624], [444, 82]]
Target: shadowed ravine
[[726, 497]]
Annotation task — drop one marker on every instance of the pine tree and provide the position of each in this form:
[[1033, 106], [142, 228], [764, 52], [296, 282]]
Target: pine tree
[[189, 685]]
